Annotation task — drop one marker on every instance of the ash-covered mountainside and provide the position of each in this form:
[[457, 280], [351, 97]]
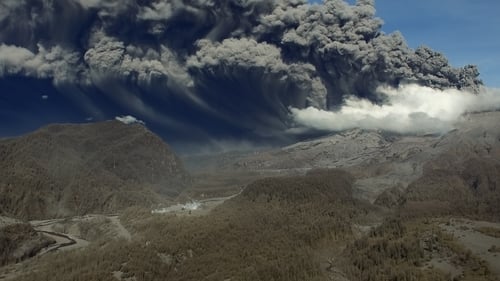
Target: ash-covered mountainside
[[214, 68], [465, 178], [454, 173], [63, 170]]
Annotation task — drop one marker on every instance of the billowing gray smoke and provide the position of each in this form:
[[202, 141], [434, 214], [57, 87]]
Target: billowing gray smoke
[[217, 67]]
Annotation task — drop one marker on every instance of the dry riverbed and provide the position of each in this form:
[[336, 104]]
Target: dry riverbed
[[478, 237]]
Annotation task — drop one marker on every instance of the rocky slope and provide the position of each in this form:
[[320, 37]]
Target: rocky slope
[[465, 178], [63, 170], [460, 168]]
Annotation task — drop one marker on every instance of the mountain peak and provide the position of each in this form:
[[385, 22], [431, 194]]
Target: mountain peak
[[64, 169]]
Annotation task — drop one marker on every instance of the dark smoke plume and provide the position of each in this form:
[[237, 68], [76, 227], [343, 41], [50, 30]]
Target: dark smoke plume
[[216, 68]]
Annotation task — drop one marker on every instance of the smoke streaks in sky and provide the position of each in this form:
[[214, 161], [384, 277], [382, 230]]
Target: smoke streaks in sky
[[216, 69]]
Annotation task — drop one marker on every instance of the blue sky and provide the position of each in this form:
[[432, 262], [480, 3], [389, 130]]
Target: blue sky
[[466, 31]]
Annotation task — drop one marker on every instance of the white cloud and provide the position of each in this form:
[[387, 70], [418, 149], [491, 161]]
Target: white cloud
[[409, 109], [129, 120], [45, 97]]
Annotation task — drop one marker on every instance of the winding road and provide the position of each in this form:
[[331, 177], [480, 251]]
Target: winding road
[[195, 207], [62, 241]]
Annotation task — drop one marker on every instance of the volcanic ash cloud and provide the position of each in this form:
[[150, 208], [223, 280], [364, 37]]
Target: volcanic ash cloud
[[228, 68]]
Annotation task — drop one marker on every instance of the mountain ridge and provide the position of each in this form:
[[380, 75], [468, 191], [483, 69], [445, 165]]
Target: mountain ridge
[[70, 169]]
